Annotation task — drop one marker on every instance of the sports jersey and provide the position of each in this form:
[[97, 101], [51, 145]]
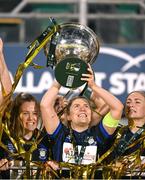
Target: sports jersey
[[127, 149], [41, 153], [121, 147], [73, 147]]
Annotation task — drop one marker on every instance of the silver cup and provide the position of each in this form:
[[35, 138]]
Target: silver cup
[[73, 47]]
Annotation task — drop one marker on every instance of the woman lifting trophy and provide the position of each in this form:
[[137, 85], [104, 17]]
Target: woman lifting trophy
[[77, 145]]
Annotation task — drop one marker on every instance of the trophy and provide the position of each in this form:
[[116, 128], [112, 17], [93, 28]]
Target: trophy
[[70, 49]]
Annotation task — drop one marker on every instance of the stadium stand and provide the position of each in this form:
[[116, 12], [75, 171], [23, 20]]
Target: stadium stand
[[120, 17]]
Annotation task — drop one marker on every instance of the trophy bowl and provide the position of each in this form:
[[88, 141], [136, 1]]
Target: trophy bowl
[[73, 47]]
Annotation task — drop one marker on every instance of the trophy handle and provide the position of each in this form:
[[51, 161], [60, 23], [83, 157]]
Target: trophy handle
[[41, 40], [51, 59]]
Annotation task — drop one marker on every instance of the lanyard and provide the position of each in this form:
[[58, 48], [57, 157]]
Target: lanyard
[[79, 156]]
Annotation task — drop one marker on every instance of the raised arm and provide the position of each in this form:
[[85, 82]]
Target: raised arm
[[115, 105], [4, 75], [49, 115], [100, 108]]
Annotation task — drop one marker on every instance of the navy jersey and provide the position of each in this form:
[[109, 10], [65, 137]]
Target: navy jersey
[[128, 136], [41, 153], [121, 147], [93, 140]]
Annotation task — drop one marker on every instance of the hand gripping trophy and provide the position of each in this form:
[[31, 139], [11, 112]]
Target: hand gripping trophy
[[69, 51]]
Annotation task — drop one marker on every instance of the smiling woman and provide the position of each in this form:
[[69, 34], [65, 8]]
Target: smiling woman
[[25, 139], [24, 116], [22, 143], [78, 142], [79, 113]]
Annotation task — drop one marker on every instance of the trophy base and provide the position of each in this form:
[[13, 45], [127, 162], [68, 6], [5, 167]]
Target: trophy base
[[68, 72]]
